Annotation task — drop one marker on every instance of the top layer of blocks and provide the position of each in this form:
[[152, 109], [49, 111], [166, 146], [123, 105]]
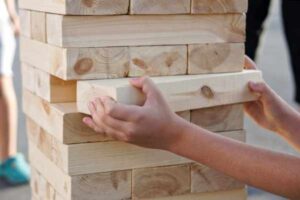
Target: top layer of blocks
[[133, 7]]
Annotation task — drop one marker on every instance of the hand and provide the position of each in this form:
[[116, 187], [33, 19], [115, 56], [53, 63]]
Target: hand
[[16, 27], [152, 125], [269, 109]]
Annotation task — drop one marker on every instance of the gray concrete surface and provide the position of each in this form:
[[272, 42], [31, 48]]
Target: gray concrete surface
[[273, 62]]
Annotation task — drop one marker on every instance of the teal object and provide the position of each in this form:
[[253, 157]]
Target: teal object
[[15, 170]]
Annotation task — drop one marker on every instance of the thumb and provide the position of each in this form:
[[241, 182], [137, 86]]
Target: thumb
[[262, 89], [147, 86]]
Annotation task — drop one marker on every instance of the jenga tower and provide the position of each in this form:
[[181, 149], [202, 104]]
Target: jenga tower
[[75, 50]]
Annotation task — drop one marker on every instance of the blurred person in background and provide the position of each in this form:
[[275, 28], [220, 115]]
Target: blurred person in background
[[13, 167], [257, 13]]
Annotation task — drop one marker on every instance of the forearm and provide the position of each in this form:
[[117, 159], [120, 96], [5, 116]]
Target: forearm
[[273, 172], [290, 127], [11, 8]]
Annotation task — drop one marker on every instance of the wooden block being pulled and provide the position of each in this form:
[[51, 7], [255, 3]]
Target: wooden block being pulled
[[219, 6], [78, 7], [102, 186], [61, 120], [76, 159], [158, 60], [181, 92], [143, 30], [216, 58], [220, 118], [161, 181], [48, 87], [38, 26], [160, 7], [205, 179]]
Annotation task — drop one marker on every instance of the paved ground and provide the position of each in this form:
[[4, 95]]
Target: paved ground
[[274, 64]]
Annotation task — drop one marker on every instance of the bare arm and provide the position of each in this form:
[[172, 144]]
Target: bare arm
[[274, 172]]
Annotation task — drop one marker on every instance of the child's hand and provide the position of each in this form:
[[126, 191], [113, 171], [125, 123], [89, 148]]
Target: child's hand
[[268, 110], [153, 125]]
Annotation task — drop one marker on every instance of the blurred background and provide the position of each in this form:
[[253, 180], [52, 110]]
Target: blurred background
[[273, 61]]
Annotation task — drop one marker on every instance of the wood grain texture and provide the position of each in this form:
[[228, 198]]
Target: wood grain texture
[[158, 61], [219, 6], [99, 186], [76, 63], [161, 182], [41, 189], [91, 31], [38, 26], [160, 7], [181, 92], [77, 159], [78, 7], [205, 179], [216, 58], [48, 87], [220, 118], [25, 22], [240, 194], [61, 120]]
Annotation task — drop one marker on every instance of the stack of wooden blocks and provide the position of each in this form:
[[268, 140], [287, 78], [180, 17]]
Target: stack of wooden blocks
[[75, 50]]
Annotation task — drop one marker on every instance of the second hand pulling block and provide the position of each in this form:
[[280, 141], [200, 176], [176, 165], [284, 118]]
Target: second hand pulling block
[[181, 92]]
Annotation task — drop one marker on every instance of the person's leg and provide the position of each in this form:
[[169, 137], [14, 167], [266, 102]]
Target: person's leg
[[8, 116], [256, 15], [291, 16]]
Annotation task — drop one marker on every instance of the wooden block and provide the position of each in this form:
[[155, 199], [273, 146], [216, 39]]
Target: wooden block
[[102, 186], [181, 92], [78, 7], [158, 60], [219, 6], [38, 26], [79, 159], [216, 58], [74, 31], [160, 7], [60, 120], [48, 87], [240, 194], [220, 118], [205, 179], [25, 23], [41, 189], [76, 63], [161, 182]]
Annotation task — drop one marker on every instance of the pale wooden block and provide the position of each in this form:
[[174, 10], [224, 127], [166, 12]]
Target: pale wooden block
[[185, 115], [205, 179], [240, 194], [28, 77], [160, 7], [100, 186], [25, 22], [220, 118], [219, 6], [158, 60], [216, 58], [74, 31], [61, 120], [161, 182], [38, 26], [48, 87], [84, 158], [181, 92], [78, 7], [76, 63]]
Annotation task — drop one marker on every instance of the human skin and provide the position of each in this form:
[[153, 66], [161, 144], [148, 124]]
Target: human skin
[[154, 125]]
